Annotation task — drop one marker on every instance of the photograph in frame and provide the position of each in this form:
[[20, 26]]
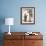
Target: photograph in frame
[[27, 15]]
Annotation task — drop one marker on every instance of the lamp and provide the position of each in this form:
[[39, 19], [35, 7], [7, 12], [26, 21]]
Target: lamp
[[9, 21]]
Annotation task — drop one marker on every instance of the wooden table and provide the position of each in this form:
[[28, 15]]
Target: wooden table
[[20, 39]]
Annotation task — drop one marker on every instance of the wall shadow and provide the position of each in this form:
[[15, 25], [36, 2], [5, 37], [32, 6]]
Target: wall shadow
[[2, 21]]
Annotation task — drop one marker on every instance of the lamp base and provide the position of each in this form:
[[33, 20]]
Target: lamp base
[[9, 33]]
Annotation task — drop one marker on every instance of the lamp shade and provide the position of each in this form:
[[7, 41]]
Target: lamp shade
[[9, 21]]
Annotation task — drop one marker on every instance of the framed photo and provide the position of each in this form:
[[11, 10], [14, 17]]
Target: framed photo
[[27, 15]]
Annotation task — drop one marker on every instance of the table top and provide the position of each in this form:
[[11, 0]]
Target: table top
[[22, 35]]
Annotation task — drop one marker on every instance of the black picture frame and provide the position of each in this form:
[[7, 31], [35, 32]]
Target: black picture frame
[[27, 15]]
